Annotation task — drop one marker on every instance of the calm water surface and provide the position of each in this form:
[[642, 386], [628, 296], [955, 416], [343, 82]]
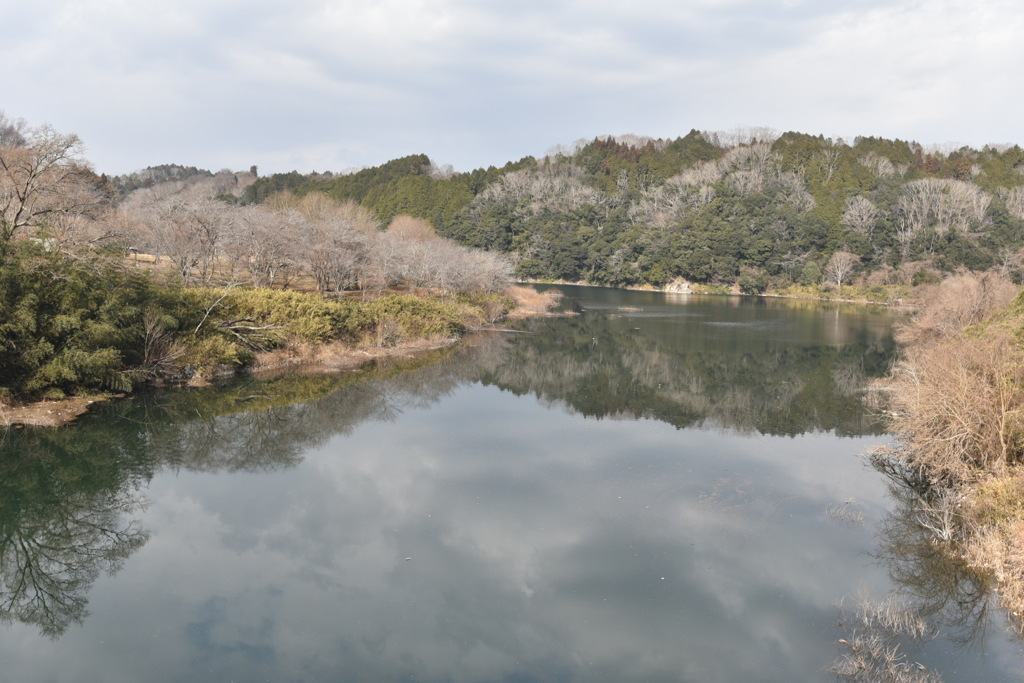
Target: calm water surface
[[661, 488]]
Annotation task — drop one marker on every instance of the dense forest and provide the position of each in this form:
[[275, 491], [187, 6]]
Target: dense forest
[[756, 210]]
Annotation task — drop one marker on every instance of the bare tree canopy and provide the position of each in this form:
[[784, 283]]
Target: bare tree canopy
[[43, 178], [411, 228], [860, 215], [840, 266], [12, 131]]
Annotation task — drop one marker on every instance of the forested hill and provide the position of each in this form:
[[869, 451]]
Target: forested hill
[[759, 210]]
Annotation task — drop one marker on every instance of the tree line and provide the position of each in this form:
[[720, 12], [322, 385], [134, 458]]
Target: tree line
[[107, 282], [752, 208], [196, 220], [333, 245]]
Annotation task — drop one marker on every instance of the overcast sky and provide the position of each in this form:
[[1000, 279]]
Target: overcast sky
[[335, 84]]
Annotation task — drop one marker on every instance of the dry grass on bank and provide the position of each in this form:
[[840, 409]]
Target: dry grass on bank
[[530, 303], [946, 310], [958, 393], [994, 516], [340, 356], [958, 414], [958, 408]]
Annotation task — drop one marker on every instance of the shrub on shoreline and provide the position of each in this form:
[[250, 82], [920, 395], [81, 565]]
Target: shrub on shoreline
[[72, 326], [958, 415]]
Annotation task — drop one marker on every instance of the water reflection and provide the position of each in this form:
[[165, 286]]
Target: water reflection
[[786, 380], [543, 544], [69, 497], [940, 586], [67, 514]]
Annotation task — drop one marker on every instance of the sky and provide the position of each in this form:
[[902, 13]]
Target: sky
[[318, 85]]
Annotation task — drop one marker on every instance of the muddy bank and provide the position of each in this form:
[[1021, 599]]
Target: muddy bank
[[46, 413]]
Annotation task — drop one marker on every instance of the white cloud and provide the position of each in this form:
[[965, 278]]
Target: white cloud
[[304, 84]]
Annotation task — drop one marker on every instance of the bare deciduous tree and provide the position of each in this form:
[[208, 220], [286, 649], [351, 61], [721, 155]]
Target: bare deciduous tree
[[748, 181], [335, 241], [407, 227], [741, 135], [444, 265], [337, 244], [879, 165], [840, 266], [941, 204], [385, 262], [188, 228], [860, 215], [557, 187], [43, 178], [12, 131], [1015, 201], [265, 243], [828, 162]]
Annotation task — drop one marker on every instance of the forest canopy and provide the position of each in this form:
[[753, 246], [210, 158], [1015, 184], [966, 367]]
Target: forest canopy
[[753, 208]]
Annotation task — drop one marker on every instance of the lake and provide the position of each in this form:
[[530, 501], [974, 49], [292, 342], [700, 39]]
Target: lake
[[655, 488]]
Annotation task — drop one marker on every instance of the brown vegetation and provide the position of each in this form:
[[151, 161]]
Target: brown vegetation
[[43, 180], [958, 409], [947, 309], [876, 633], [958, 414], [530, 303], [994, 515], [335, 246]]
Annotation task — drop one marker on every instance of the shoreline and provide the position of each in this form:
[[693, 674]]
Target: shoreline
[[327, 358], [333, 357], [668, 289], [336, 356], [956, 414]]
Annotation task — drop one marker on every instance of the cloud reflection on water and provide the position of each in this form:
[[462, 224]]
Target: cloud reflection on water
[[602, 553], [543, 544]]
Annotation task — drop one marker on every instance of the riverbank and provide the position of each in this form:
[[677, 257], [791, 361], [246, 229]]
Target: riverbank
[[876, 295], [332, 357], [384, 339], [958, 415]]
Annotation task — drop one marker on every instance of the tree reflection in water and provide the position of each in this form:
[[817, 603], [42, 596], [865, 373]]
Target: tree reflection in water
[[71, 497], [940, 586], [63, 521], [604, 366], [934, 592]]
